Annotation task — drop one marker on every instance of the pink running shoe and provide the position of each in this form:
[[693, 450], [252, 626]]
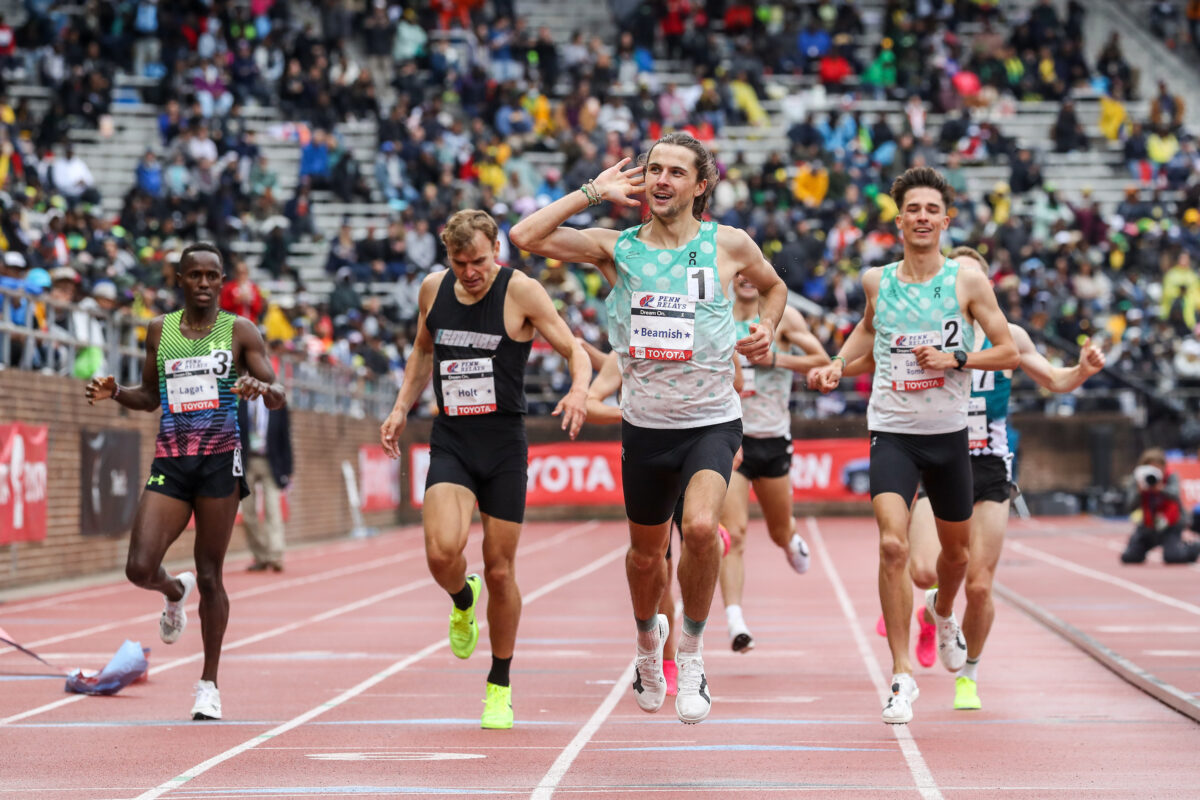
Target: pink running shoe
[[671, 673], [881, 627], [724, 534], [927, 641]]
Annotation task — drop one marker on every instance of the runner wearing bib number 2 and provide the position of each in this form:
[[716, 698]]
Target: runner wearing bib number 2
[[672, 328], [475, 328], [198, 362], [767, 444], [919, 323]]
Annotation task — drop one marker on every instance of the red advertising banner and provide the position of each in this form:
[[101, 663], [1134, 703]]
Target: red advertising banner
[[1188, 470], [378, 479], [589, 473], [570, 473], [23, 481]]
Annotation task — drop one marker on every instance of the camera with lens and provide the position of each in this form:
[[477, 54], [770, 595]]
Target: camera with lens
[[1148, 477]]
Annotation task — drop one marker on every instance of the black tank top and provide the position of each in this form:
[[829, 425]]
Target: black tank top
[[477, 369]]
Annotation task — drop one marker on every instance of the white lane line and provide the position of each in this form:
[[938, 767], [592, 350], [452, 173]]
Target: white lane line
[[1078, 569], [923, 778], [374, 680], [291, 626]]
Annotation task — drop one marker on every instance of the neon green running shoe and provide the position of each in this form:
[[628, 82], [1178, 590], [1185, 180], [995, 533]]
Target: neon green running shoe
[[464, 631], [966, 695], [497, 708]]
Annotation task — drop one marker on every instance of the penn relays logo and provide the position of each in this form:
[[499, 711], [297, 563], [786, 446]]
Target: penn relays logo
[[647, 301]]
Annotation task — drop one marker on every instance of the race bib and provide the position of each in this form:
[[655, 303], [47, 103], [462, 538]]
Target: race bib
[[907, 374], [468, 387], [662, 326], [977, 425], [192, 382], [749, 389]]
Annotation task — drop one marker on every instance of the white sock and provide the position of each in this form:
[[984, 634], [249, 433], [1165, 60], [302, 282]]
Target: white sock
[[733, 618], [969, 670], [688, 644], [647, 641]]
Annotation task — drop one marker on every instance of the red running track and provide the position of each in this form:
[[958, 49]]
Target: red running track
[[337, 682]]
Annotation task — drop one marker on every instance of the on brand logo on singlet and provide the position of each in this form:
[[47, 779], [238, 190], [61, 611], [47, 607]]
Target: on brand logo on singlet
[[662, 326], [480, 341], [192, 382], [468, 387]]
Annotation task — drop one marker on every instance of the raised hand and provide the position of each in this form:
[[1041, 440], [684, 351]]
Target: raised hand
[[622, 186], [1091, 358]]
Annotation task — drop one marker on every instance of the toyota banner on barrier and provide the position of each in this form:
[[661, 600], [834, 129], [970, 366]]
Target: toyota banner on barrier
[[24, 453], [589, 473]]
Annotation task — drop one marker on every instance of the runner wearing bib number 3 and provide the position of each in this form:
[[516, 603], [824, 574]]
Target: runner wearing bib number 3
[[475, 329], [198, 362], [672, 327], [919, 323]]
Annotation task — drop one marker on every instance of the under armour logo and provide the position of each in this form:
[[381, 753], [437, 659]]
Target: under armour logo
[[874, 440], [156, 480]]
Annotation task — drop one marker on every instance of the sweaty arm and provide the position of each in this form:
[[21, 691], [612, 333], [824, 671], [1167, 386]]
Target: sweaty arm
[[772, 292], [606, 383], [1048, 376], [986, 311], [539, 311], [416, 372], [145, 397], [857, 347], [258, 376]]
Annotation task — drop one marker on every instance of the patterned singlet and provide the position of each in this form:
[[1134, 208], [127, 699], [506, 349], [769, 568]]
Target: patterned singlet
[[765, 394], [671, 323], [987, 417], [195, 376], [904, 397]]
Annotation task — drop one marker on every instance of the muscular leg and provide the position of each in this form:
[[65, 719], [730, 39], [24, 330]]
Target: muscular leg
[[214, 527], [775, 499], [735, 515], [500, 539], [700, 561], [987, 541], [447, 520], [644, 566], [667, 606], [955, 538], [895, 592], [923, 545], [159, 521]]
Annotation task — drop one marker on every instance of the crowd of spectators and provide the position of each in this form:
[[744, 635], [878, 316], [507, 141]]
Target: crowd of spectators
[[474, 108]]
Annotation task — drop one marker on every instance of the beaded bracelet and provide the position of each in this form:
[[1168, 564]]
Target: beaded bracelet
[[590, 192]]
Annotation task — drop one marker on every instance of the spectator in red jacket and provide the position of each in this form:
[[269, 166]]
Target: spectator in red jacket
[[241, 296]]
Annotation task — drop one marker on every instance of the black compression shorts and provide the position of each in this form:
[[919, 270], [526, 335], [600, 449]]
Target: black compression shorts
[[189, 477], [658, 464], [940, 461], [766, 458], [488, 456]]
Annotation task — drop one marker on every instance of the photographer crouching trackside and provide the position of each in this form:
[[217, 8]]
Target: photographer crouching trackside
[[1156, 494]]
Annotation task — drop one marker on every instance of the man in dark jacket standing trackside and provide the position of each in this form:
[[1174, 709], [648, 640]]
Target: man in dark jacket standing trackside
[[267, 445]]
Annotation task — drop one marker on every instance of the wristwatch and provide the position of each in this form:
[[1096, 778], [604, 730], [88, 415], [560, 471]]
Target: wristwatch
[[961, 357]]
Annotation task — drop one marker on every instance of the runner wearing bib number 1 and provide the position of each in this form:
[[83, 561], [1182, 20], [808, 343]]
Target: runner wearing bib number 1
[[767, 444], [198, 362], [475, 329], [919, 324], [672, 327]]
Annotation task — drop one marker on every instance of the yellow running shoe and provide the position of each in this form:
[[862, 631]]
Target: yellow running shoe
[[966, 695], [464, 631], [497, 708]]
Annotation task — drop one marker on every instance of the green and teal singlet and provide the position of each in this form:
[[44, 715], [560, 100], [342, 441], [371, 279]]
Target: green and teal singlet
[[904, 397], [765, 393], [671, 324], [987, 415], [195, 379]]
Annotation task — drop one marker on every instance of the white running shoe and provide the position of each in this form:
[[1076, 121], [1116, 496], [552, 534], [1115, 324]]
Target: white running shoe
[[174, 618], [797, 550], [208, 701], [649, 683], [899, 706], [952, 648], [741, 640], [692, 702]]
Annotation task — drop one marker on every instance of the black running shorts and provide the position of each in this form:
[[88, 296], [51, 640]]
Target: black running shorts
[[992, 479], [488, 455], [766, 458], [657, 464], [940, 461], [188, 477]]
